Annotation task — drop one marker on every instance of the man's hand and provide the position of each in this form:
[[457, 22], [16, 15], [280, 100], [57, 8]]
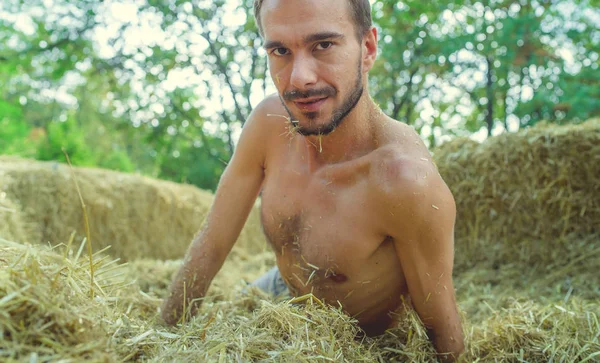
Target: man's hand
[[185, 296], [169, 313]]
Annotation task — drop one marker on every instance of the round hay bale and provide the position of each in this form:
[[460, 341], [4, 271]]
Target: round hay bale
[[12, 225], [139, 217], [532, 196]]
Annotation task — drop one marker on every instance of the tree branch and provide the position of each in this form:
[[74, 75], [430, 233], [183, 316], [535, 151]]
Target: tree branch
[[222, 67], [50, 46], [490, 96]]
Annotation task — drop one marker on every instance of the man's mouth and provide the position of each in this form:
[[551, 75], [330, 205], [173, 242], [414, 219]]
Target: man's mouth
[[310, 104]]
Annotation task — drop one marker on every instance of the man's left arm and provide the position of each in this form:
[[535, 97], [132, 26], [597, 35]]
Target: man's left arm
[[420, 218]]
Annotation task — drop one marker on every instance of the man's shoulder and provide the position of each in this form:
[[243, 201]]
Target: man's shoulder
[[402, 162], [270, 111], [268, 120], [403, 172]]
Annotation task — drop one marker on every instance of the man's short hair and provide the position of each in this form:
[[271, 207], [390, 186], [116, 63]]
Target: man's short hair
[[360, 10]]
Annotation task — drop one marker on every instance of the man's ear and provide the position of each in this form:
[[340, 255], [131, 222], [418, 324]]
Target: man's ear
[[369, 45]]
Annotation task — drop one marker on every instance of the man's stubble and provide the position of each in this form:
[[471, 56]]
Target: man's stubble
[[338, 114]]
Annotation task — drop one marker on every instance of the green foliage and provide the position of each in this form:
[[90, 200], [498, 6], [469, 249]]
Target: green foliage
[[477, 64], [193, 167], [166, 96], [66, 136], [14, 138], [117, 160]]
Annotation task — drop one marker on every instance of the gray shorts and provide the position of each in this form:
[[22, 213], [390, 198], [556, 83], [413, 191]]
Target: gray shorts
[[272, 283]]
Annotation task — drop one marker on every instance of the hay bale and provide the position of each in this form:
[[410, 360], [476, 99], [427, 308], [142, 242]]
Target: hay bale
[[138, 216], [547, 310], [533, 196], [46, 313], [12, 225]]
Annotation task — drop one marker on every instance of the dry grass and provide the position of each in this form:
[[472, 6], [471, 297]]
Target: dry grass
[[12, 225], [46, 313], [531, 197], [138, 217], [527, 291]]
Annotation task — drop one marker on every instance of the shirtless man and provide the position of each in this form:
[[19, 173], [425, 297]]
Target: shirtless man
[[352, 203]]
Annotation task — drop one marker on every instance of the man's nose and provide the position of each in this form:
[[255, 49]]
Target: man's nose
[[304, 73]]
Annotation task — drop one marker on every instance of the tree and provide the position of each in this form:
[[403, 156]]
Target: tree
[[163, 87], [460, 66]]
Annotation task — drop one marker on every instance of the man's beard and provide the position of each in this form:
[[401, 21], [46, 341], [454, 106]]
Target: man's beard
[[338, 115]]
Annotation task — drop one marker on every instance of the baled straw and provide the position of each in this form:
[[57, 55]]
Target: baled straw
[[45, 310], [138, 217], [513, 310], [533, 196], [47, 314]]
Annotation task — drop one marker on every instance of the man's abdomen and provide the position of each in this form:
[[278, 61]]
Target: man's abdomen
[[368, 289]]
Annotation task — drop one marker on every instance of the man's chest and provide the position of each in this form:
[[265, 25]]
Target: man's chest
[[319, 220]]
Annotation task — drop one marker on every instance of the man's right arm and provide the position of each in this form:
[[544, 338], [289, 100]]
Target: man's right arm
[[237, 191]]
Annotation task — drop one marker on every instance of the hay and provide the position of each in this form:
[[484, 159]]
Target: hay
[[47, 314], [45, 309], [529, 332], [532, 197], [524, 293], [12, 225], [138, 216]]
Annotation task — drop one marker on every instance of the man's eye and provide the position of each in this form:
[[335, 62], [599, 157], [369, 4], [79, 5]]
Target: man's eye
[[280, 51], [324, 45]]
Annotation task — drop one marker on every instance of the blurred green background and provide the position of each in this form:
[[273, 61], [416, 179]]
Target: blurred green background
[[163, 87]]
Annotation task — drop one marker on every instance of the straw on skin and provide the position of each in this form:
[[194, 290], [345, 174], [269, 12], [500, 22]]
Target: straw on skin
[[41, 287], [310, 183], [421, 222], [515, 313], [235, 196]]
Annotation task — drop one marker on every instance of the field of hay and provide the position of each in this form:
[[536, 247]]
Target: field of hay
[[527, 261]]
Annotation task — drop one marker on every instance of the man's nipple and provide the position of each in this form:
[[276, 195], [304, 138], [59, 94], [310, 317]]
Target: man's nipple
[[339, 278]]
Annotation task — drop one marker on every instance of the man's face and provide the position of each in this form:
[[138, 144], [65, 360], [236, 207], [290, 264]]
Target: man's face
[[315, 60]]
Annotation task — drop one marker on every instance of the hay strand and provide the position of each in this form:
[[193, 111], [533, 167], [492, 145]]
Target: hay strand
[[524, 296], [86, 223]]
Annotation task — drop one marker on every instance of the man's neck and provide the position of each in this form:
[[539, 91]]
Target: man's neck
[[353, 138]]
